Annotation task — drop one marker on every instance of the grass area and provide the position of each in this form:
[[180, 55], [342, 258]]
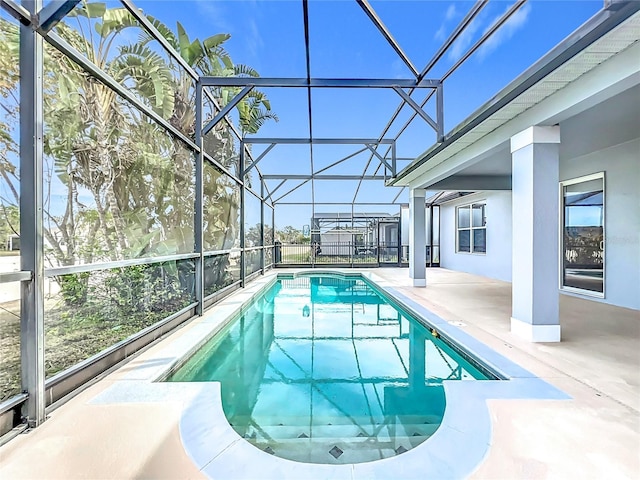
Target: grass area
[[338, 254], [296, 258], [91, 312], [9, 349], [301, 254], [71, 335], [95, 310], [328, 259]]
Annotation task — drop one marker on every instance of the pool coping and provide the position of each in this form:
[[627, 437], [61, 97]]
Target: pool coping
[[218, 451]]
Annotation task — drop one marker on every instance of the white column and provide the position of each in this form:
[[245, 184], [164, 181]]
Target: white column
[[417, 355], [417, 238], [535, 211]]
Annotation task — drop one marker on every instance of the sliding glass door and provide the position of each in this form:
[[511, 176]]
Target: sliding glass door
[[583, 235]]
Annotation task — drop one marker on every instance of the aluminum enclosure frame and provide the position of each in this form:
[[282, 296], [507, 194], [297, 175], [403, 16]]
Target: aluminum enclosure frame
[[37, 24], [398, 85]]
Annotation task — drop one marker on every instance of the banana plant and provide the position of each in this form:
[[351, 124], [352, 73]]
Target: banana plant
[[209, 58], [139, 179], [103, 144]]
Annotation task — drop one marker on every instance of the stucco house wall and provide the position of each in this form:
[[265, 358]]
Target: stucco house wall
[[496, 262]]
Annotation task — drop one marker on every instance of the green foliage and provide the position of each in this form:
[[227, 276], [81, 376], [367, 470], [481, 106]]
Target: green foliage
[[74, 287], [291, 234], [127, 185], [253, 235], [9, 223], [218, 273], [152, 76], [209, 57], [103, 307], [139, 179]]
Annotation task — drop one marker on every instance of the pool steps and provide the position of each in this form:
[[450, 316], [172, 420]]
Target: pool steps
[[349, 442], [351, 450]]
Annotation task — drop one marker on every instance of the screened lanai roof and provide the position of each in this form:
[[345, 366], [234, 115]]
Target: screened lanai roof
[[119, 170], [366, 87], [360, 88]]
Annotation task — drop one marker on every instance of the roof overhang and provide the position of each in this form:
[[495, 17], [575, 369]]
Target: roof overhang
[[594, 63]]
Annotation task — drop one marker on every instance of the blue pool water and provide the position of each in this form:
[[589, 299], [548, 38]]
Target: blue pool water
[[323, 369]]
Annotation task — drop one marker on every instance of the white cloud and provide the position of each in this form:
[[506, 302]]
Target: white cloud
[[212, 13], [441, 33], [506, 31], [464, 40], [451, 12], [254, 40], [449, 15]]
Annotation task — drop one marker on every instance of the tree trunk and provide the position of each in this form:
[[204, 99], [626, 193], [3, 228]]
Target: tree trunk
[[103, 221]]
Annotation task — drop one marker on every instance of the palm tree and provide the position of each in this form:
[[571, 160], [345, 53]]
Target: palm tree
[[139, 178], [208, 58], [105, 164]]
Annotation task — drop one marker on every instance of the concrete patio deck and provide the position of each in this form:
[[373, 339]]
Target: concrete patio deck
[[594, 435]]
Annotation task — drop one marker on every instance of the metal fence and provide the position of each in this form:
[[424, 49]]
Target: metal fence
[[336, 253]]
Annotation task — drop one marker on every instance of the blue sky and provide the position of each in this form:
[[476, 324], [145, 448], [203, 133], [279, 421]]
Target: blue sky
[[268, 35]]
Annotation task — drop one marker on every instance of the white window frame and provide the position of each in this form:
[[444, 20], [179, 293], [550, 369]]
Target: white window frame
[[471, 227], [561, 286]]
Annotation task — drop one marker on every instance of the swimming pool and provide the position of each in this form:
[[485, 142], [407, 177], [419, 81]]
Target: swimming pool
[[327, 369]]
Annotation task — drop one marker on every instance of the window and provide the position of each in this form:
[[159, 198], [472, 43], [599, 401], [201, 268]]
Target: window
[[471, 222], [582, 234]]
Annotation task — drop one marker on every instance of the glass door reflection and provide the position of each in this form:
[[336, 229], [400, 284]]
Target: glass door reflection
[[583, 234]]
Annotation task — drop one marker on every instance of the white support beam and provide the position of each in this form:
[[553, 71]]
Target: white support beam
[[535, 211], [417, 237]]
